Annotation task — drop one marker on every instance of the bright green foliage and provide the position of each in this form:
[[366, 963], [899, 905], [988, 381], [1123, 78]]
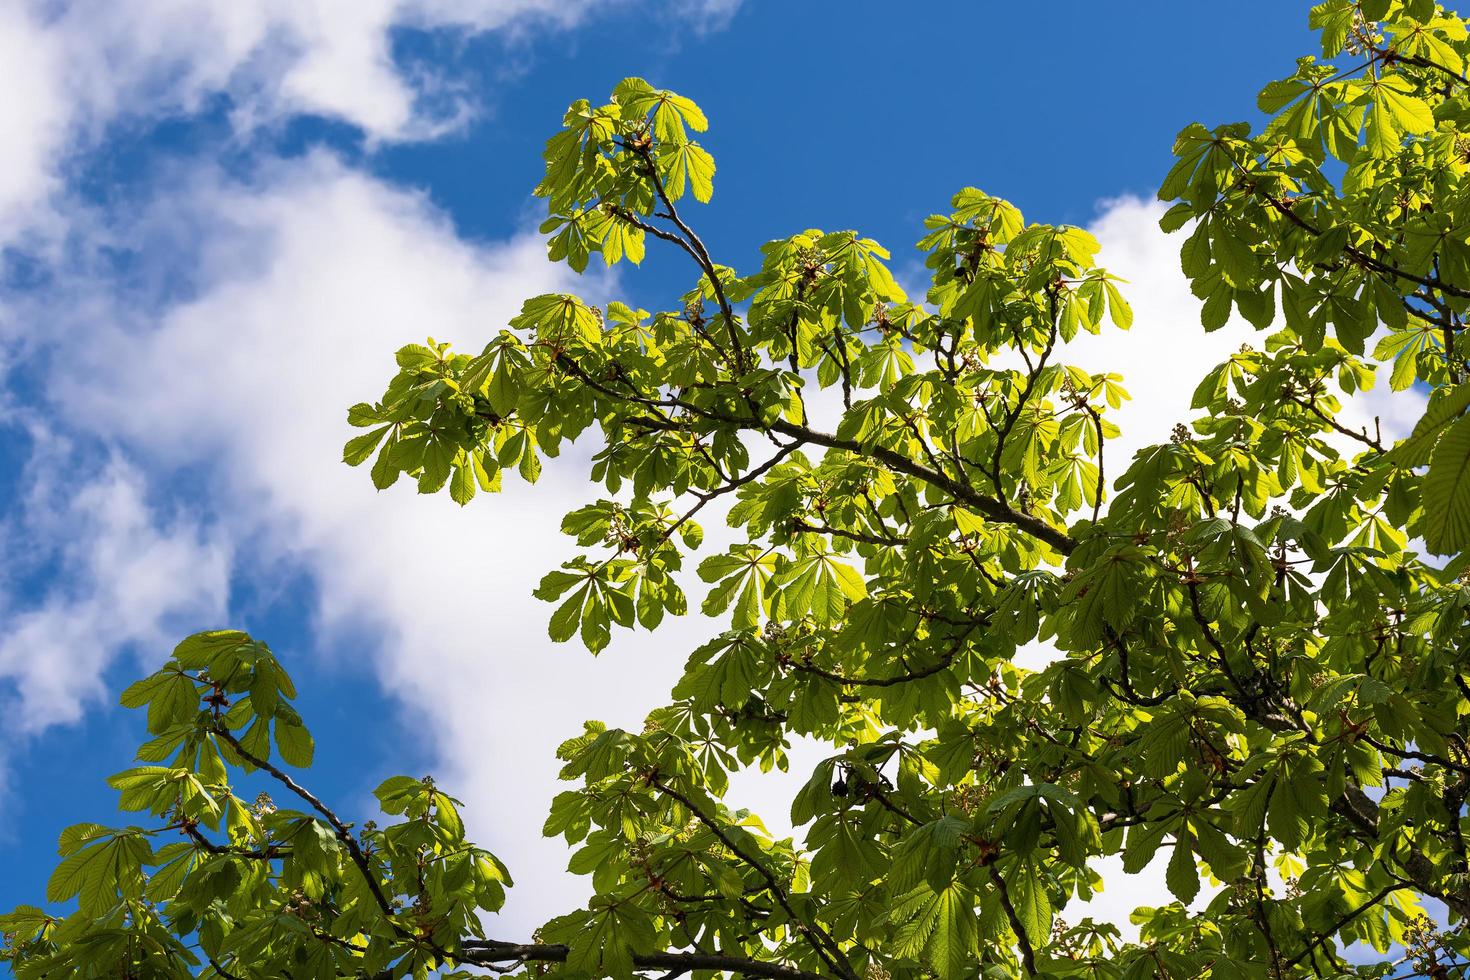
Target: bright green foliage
[[222, 886], [1348, 211], [1259, 686]]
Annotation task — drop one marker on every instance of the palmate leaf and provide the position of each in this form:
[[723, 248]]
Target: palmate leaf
[[820, 585], [1395, 114], [944, 931], [174, 865], [1298, 799], [743, 578], [605, 943], [688, 165], [559, 317], [1444, 409], [171, 697], [953, 941], [1404, 348], [99, 865], [27, 923]]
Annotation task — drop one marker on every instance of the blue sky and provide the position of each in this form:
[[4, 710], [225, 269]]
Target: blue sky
[[215, 230]]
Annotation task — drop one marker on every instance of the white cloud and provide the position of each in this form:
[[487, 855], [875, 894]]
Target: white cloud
[[272, 58], [76, 67], [31, 117], [121, 574]]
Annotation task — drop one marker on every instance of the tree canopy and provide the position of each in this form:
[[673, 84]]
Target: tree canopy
[[1259, 626]]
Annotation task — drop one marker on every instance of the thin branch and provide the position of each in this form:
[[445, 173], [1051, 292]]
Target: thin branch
[[1337, 926], [889, 805], [696, 248], [1362, 257], [839, 342], [1130, 695], [1192, 588], [1028, 955], [990, 507], [1101, 481], [1419, 61], [191, 830], [1032, 376], [1428, 757], [623, 214], [942, 663], [1362, 437], [215, 965], [344, 833], [487, 951], [733, 484], [859, 536]]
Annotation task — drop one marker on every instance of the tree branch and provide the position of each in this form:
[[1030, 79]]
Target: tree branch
[[734, 484], [1033, 374], [992, 508], [818, 938], [1337, 926], [696, 249], [1389, 56], [944, 662], [860, 537], [1362, 257], [344, 833], [488, 951], [1362, 437], [269, 853], [1028, 955]]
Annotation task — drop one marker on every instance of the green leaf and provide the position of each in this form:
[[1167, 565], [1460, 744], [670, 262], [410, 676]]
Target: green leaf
[[1182, 876], [141, 692], [1278, 95], [688, 164], [294, 743], [462, 483], [1446, 406], [944, 929], [1027, 889], [1235, 256], [26, 923], [99, 866], [1118, 307], [172, 699], [1410, 113], [929, 853], [361, 447], [567, 617], [1447, 491]]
